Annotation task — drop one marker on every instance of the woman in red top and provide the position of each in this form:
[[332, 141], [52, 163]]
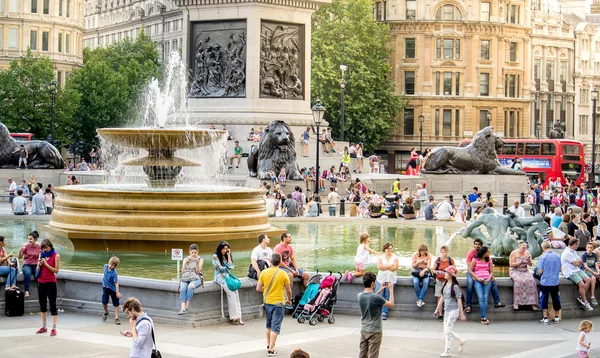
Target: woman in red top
[[48, 266], [31, 254]]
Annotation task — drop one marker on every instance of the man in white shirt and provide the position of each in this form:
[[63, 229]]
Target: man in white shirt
[[333, 198], [445, 210], [261, 255], [517, 209], [271, 205], [570, 262], [12, 190]]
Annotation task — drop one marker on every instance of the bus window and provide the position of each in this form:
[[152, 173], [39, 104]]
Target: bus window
[[532, 149], [509, 149], [521, 148], [571, 170], [548, 149], [570, 149]]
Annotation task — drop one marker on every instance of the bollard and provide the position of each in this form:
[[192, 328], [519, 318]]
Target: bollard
[[522, 197], [505, 207], [451, 198], [342, 207]]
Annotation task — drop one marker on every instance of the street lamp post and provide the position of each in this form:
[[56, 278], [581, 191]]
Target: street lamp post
[[489, 117], [592, 180], [343, 68], [52, 94], [421, 120], [317, 111]]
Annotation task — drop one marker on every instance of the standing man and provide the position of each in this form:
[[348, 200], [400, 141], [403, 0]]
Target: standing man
[[261, 255], [333, 198], [306, 142], [371, 303], [23, 187], [396, 186], [290, 207], [549, 267], [38, 202], [12, 189], [23, 156], [288, 259], [237, 155], [274, 284], [472, 198]]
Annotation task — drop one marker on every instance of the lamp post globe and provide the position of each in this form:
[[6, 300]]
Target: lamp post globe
[[318, 111]]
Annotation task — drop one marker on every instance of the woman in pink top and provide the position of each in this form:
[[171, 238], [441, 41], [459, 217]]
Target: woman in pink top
[[31, 254], [48, 266], [481, 269]]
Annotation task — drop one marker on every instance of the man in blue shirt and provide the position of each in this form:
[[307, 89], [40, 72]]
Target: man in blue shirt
[[472, 198], [549, 267]]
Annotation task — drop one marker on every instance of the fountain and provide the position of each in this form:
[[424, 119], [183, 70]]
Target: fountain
[[163, 213]]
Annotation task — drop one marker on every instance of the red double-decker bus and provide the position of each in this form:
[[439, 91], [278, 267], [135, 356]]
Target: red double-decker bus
[[544, 158]]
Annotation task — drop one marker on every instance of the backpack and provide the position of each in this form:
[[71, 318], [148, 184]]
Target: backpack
[[439, 261]]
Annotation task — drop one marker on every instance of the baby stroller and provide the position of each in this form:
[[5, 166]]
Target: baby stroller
[[311, 291], [321, 306]]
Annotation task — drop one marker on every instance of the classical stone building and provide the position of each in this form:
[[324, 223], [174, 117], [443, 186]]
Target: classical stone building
[[48, 27], [455, 61], [108, 21]]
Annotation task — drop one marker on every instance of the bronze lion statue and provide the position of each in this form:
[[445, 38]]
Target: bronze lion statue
[[479, 157], [276, 150], [42, 155]]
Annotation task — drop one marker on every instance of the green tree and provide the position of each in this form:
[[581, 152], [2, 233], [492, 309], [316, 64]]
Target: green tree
[[344, 32], [111, 83], [25, 99]]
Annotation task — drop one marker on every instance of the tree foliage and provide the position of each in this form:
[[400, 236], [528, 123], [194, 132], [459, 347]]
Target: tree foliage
[[25, 99], [111, 83], [346, 33]]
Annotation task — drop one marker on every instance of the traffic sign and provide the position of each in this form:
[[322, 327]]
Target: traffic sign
[[177, 254]]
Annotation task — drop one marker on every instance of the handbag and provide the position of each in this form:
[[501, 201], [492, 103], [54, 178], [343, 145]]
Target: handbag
[[233, 283], [417, 273], [155, 352], [189, 276]]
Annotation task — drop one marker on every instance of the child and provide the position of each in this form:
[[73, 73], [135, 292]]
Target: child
[[583, 344], [282, 177], [110, 287], [361, 259], [251, 134], [464, 208], [273, 176]]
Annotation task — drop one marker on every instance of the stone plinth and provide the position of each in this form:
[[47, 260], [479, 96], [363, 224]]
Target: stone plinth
[[444, 184]]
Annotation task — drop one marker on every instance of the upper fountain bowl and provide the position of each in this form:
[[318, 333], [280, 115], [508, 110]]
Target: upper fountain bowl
[[159, 138]]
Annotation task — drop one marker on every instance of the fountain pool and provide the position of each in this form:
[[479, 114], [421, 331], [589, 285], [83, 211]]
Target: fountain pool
[[323, 246]]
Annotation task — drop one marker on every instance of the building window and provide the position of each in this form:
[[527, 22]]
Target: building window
[[485, 11], [448, 12], [59, 79], [448, 48], [482, 118], [68, 43], [457, 48], [34, 4], [69, 8], [60, 8], [13, 39], [513, 51], [511, 85], [447, 83], [13, 5], [484, 84], [537, 67], [437, 83], [437, 122], [447, 124], [456, 122], [550, 103], [46, 7], [457, 82], [409, 48], [60, 43], [45, 40], [379, 13], [411, 9], [409, 82], [550, 70], [513, 14], [33, 40], [409, 121], [1, 33], [485, 49], [563, 71]]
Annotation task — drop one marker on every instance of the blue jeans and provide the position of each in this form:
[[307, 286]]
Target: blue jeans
[[332, 211], [185, 292], [420, 291], [385, 294], [495, 293], [483, 294], [11, 274], [28, 271]]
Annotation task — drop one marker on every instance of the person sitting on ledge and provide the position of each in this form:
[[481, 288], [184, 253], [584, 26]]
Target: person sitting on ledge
[[386, 276], [7, 268], [421, 260], [288, 259], [20, 204], [477, 244], [570, 262], [30, 253], [517, 209], [408, 211], [430, 209], [445, 210], [191, 278], [524, 286]]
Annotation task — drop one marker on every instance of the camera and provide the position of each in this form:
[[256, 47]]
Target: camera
[[13, 261]]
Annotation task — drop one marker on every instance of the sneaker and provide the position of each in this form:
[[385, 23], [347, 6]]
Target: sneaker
[[445, 354], [41, 330], [230, 167], [350, 277], [418, 303], [384, 316], [588, 307], [461, 345], [544, 320], [422, 303], [345, 276], [594, 301], [272, 353], [580, 300], [556, 319], [237, 167], [104, 316], [52, 332], [182, 312]]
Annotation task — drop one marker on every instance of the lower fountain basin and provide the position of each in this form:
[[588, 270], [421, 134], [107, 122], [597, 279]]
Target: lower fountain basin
[[137, 217]]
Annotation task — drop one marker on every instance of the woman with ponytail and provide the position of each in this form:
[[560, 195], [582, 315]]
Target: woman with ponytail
[[451, 300], [30, 253]]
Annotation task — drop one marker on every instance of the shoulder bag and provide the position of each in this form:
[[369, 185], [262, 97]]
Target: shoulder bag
[[233, 283], [155, 352]]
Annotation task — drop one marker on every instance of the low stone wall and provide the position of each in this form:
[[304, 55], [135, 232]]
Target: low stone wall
[[82, 292]]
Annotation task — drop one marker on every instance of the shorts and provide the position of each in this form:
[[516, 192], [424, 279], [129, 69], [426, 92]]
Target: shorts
[[582, 354], [360, 266], [589, 274], [274, 316], [306, 142], [300, 271], [113, 296], [11, 197], [577, 277]]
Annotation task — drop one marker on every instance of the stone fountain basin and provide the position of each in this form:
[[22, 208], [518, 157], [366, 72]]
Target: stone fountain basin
[[160, 138]]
